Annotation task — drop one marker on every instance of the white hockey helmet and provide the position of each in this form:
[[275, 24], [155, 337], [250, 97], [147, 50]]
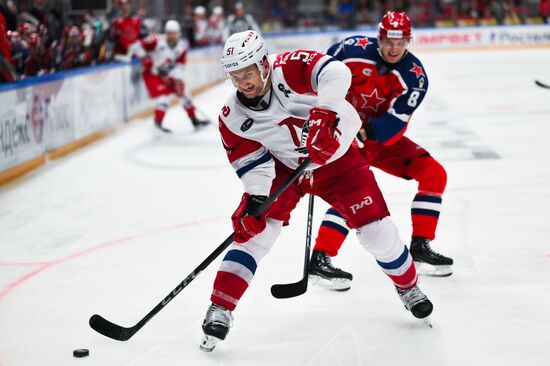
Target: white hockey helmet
[[218, 10], [172, 26], [244, 49]]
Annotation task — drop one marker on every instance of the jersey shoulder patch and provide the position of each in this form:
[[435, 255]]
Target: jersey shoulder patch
[[232, 114]]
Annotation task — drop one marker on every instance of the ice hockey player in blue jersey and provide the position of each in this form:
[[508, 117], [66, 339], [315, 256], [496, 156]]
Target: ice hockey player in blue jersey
[[388, 84]]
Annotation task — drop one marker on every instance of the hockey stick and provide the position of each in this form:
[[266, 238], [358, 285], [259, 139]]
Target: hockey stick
[[119, 333], [542, 85], [284, 291]]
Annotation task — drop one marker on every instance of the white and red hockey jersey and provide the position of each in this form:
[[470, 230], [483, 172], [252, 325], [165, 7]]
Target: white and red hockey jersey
[[253, 136], [169, 61]]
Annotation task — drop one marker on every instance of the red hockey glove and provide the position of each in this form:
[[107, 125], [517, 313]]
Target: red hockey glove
[[246, 226], [322, 138]]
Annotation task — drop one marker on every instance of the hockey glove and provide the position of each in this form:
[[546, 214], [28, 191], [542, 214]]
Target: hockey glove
[[246, 226], [164, 70], [322, 139], [366, 133]]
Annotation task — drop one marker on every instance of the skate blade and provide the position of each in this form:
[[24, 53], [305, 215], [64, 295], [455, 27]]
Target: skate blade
[[428, 321], [334, 284], [208, 343], [426, 269]]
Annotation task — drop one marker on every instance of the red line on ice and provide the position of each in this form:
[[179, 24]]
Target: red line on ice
[[44, 266]]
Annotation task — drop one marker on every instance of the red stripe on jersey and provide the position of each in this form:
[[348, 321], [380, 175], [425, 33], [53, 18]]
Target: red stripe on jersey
[[182, 59], [235, 146], [297, 67], [229, 284]]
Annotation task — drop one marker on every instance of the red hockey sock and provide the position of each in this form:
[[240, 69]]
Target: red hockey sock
[[329, 240], [233, 278], [425, 215], [190, 112], [159, 116], [332, 233]]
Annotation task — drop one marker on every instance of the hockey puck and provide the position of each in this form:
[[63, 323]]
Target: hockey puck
[[82, 352]]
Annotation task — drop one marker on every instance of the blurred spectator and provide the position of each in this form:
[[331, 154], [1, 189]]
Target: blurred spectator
[[19, 52], [9, 11], [200, 29], [150, 25], [75, 53], [240, 21], [33, 63], [346, 10], [38, 11], [216, 25], [544, 10], [187, 23], [125, 30], [49, 16], [7, 72], [498, 11], [514, 12]]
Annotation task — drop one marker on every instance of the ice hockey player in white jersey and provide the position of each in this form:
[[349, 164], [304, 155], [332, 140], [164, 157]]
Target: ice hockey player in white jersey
[[163, 57], [287, 107]]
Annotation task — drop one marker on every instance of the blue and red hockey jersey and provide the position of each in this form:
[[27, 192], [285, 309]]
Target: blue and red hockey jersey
[[385, 95]]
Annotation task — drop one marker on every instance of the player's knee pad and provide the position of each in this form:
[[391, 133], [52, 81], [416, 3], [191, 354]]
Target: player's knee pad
[[430, 174], [260, 244], [381, 239]]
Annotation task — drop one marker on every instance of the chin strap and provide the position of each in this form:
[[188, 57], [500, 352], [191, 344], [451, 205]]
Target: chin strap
[[266, 79]]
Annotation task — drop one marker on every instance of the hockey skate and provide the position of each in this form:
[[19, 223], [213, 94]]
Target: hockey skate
[[215, 326], [321, 268], [417, 303], [427, 261], [199, 124], [162, 128]]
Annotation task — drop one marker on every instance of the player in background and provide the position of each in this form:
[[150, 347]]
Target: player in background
[[125, 30], [289, 106], [388, 84], [163, 60], [200, 26], [240, 21], [216, 25]]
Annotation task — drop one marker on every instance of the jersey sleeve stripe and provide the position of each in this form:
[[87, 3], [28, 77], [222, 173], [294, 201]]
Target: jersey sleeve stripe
[[249, 165]]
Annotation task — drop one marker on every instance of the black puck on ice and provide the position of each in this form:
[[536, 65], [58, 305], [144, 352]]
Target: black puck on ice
[[82, 352]]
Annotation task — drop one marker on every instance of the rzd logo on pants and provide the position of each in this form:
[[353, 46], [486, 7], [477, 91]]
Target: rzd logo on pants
[[356, 207]]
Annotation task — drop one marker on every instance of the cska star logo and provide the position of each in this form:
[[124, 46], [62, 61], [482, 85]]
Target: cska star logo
[[372, 101], [363, 42], [417, 70]]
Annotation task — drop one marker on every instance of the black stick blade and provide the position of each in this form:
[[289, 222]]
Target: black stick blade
[[111, 330], [285, 291], [542, 85]]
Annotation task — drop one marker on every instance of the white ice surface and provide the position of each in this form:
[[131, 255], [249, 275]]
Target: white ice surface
[[113, 228]]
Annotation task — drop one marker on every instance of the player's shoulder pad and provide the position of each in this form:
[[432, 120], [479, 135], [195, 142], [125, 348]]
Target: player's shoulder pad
[[412, 72], [354, 47]]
